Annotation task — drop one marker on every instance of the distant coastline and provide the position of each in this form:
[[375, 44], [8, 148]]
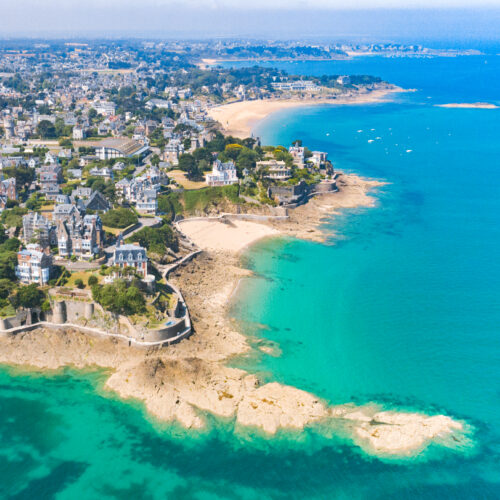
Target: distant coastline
[[427, 53], [209, 61]]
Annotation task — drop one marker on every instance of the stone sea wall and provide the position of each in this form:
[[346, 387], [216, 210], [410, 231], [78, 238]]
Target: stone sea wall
[[90, 317]]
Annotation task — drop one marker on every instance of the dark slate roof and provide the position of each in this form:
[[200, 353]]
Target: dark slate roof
[[64, 208], [127, 250], [97, 202]]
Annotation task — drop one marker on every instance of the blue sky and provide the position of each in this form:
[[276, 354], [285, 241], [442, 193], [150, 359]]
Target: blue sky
[[338, 19], [245, 4]]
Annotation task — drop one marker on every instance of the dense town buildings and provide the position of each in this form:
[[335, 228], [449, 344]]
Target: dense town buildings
[[88, 150]]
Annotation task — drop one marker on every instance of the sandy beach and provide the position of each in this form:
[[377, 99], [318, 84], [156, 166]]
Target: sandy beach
[[232, 235], [239, 118], [228, 235], [471, 105], [186, 381]]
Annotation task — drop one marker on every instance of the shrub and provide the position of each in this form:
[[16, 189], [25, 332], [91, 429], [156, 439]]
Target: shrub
[[79, 283], [46, 306], [92, 280]]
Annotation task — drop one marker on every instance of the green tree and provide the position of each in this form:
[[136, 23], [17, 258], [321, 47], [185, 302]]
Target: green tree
[[6, 286], [119, 218], [8, 261], [24, 175], [155, 160], [11, 245], [29, 296], [92, 280], [35, 201], [3, 236], [246, 159], [233, 150], [120, 297], [187, 162], [156, 239], [202, 154], [46, 130]]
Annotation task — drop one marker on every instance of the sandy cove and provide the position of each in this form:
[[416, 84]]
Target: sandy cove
[[304, 221], [239, 118], [182, 382]]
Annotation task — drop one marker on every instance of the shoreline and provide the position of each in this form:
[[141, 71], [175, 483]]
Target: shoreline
[[209, 62], [187, 380], [468, 105], [240, 118]]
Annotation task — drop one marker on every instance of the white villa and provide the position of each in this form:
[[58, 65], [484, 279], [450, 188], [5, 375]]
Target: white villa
[[34, 265], [277, 170], [223, 174]]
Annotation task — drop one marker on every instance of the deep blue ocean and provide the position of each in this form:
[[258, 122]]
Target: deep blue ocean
[[401, 308]]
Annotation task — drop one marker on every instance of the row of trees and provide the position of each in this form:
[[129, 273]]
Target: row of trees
[[224, 148], [48, 130]]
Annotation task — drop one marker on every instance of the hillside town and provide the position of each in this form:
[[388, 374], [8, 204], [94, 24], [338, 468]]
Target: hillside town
[[104, 147]]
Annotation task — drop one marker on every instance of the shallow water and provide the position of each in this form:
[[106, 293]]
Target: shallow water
[[402, 310]]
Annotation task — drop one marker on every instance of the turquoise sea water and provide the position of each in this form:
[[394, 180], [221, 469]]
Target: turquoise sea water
[[403, 309]]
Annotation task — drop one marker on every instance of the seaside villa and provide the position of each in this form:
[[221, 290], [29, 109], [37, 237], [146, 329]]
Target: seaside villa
[[223, 174], [34, 265], [276, 170], [298, 154], [131, 256]]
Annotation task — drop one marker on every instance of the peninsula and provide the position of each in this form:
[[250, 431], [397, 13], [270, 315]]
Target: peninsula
[[128, 192]]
